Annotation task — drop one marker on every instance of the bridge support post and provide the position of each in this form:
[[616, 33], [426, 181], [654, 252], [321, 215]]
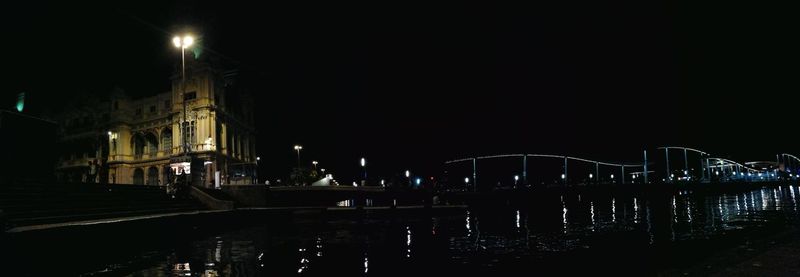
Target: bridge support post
[[666, 154], [566, 177], [645, 166], [685, 163], [708, 169], [474, 174], [622, 176], [596, 172], [702, 168], [525, 169]]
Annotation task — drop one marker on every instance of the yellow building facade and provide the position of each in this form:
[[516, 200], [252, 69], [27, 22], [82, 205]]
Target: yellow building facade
[[133, 140]]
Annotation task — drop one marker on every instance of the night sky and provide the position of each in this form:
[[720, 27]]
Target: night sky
[[409, 86]]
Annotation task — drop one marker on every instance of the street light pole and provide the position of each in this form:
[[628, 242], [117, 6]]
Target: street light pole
[[183, 43], [364, 166], [298, 148]]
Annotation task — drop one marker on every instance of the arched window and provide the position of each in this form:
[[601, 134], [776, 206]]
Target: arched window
[[166, 140]]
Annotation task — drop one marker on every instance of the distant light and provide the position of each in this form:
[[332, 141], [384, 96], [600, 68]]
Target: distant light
[[314, 162], [672, 176], [383, 182], [634, 176], [298, 147], [20, 101], [612, 176], [363, 162], [590, 176], [685, 172], [258, 158], [176, 41], [354, 184], [466, 180], [716, 172], [516, 177], [418, 181], [563, 176], [109, 133], [408, 173]]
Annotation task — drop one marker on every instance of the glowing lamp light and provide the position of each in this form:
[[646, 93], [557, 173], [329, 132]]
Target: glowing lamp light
[[590, 176], [184, 42], [363, 162], [418, 181], [408, 173], [466, 180], [516, 177], [563, 176]]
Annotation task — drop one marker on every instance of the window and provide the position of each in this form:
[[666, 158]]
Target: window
[[190, 96], [138, 111], [167, 105], [152, 109], [190, 133]]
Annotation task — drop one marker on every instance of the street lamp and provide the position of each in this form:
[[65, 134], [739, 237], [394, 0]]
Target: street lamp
[[183, 43], [364, 166], [298, 148], [466, 183], [315, 165]]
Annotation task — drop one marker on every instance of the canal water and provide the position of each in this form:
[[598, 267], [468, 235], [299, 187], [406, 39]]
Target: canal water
[[620, 233]]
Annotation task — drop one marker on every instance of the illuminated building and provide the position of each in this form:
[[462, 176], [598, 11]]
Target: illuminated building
[[134, 140]]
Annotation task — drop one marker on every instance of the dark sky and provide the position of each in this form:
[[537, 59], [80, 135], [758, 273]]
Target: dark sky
[[409, 86]]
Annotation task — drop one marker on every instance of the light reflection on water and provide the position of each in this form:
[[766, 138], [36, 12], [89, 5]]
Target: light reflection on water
[[477, 236]]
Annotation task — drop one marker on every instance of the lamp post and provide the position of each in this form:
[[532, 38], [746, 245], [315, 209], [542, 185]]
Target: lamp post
[[364, 166], [183, 43], [315, 165], [298, 148]]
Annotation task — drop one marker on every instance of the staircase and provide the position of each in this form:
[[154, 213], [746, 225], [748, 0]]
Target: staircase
[[33, 204]]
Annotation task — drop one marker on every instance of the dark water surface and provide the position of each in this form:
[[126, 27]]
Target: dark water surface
[[558, 233]]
